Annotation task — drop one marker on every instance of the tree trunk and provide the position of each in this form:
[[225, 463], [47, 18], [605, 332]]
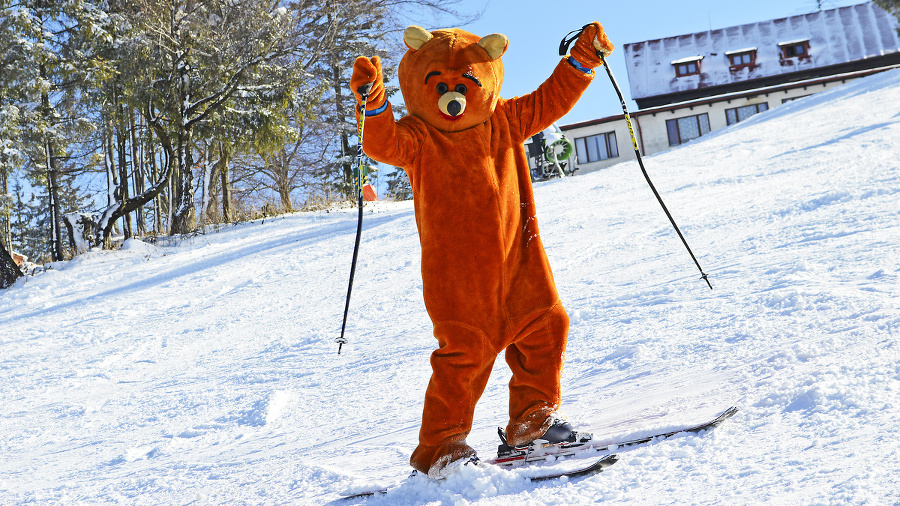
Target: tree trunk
[[123, 170], [112, 180], [6, 230], [53, 192], [159, 201], [137, 171], [9, 271], [346, 166], [185, 219], [225, 160], [284, 191], [53, 195]]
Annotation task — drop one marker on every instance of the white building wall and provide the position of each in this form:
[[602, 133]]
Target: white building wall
[[650, 124], [623, 142]]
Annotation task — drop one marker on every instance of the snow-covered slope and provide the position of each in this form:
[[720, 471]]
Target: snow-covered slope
[[206, 372]]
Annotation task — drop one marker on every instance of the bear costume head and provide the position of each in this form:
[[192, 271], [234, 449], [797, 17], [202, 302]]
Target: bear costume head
[[451, 78]]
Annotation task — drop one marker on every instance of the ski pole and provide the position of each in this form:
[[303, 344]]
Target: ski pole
[[637, 153], [357, 180]]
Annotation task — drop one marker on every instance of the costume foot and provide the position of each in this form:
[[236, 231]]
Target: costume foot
[[453, 467]]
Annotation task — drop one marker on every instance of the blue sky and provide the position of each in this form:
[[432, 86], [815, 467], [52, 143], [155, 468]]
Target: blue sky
[[535, 29]]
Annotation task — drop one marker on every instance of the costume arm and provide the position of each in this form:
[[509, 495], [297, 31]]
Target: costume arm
[[558, 94], [393, 142], [384, 140]]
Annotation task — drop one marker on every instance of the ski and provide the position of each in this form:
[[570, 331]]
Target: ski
[[541, 451], [535, 454], [595, 466]]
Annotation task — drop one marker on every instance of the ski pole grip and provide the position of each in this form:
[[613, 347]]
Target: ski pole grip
[[365, 89]]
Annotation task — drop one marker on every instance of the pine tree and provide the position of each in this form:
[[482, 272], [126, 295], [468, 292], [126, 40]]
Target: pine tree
[[49, 53], [891, 6], [9, 271], [399, 187]]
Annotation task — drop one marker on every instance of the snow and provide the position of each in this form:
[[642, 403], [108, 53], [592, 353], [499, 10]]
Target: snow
[[205, 371]]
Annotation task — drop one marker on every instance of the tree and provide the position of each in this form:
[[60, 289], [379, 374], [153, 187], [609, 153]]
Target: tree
[[10, 160], [891, 6], [49, 51], [9, 271], [367, 27], [398, 185], [198, 57]]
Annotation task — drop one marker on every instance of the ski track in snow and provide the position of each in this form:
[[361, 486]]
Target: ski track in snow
[[205, 371]]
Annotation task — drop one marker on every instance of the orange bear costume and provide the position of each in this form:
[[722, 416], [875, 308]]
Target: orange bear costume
[[486, 278]]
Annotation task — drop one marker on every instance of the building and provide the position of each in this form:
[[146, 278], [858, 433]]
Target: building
[[690, 85]]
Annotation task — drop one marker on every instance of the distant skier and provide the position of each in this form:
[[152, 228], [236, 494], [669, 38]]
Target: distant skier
[[487, 281]]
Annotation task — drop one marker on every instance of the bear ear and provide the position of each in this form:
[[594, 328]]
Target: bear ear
[[495, 44], [415, 37]]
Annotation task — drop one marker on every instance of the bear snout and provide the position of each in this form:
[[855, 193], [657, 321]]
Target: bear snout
[[452, 104]]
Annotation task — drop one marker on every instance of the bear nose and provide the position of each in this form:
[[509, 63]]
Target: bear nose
[[452, 104], [454, 108]]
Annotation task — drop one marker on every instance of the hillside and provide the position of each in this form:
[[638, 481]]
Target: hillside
[[205, 371]]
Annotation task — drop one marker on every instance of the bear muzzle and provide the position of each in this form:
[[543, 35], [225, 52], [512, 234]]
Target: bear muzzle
[[452, 105]]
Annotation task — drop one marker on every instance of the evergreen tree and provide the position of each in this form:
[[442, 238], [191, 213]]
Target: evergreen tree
[[9, 271], [49, 53], [399, 187], [891, 6]]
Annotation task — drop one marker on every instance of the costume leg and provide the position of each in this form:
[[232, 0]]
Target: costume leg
[[536, 360], [460, 367]]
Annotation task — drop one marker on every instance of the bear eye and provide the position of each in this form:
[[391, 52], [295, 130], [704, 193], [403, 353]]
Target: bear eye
[[442, 88], [461, 89]]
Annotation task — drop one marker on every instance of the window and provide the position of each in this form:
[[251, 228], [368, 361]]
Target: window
[[688, 128], [741, 59], [687, 66], [794, 50], [737, 114], [596, 147], [798, 49]]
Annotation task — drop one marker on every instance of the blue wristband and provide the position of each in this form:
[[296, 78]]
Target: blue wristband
[[380, 110], [573, 62]]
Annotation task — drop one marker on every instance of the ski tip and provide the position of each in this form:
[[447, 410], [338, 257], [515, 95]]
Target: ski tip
[[728, 413], [594, 468]]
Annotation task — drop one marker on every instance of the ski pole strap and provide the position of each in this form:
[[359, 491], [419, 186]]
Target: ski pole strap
[[640, 160], [573, 62], [375, 112], [569, 39]]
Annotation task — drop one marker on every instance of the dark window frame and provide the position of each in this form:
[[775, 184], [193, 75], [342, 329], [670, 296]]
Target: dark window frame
[[797, 50], [687, 68], [583, 153], [735, 116], [673, 128], [736, 60]]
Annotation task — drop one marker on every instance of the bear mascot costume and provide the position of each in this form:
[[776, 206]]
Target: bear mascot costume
[[486, 279]]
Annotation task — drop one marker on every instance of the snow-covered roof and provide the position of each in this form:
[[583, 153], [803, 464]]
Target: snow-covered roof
[[687, 59], [741, 50], [835, 36]]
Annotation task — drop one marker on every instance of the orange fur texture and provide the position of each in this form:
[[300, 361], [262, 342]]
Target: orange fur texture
[[486, 278]]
